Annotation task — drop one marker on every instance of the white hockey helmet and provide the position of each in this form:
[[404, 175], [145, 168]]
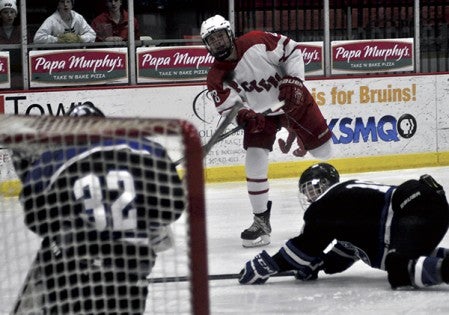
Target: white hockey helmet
[[221, 49]]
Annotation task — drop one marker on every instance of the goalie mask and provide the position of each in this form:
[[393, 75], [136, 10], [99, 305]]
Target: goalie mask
[[315, 180], [218, 37], [85, 109]]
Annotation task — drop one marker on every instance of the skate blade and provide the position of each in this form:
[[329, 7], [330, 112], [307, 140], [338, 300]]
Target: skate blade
[[260, 241]]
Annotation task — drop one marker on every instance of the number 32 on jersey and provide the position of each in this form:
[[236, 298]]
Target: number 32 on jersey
[[119, 216]]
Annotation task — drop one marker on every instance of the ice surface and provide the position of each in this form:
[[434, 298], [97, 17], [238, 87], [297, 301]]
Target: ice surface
[[359, 290]]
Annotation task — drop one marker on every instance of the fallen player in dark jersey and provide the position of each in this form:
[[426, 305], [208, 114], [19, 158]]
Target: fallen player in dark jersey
[[392, 228]]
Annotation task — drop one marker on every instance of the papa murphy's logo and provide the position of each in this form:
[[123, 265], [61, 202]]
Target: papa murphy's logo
[[313, 57], [79, 66], [387, 128], [372, 55], [159, 64], [4, 67]]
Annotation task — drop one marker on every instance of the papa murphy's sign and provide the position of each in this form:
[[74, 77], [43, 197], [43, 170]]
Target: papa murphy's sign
[[186, 63], [384, 55], [313, 57], [5, 82], [78, 66]]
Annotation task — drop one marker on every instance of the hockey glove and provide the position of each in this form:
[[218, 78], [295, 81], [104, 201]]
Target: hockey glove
[[251, 121], [291, 91], [285, 145], [258, 270]]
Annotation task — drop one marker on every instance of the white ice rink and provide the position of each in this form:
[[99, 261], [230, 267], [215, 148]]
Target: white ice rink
[[360, 290]]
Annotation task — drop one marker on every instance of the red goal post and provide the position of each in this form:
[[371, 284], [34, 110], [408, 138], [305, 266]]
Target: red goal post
[[187, 257]]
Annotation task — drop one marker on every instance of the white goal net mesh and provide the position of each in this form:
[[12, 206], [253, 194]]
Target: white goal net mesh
[[104, 216]]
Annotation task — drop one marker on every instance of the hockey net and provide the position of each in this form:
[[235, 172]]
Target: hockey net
[[104, 219]]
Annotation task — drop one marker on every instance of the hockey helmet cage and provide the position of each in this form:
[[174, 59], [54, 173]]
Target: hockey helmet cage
[[85, 109], [220, 48], [316, 179]]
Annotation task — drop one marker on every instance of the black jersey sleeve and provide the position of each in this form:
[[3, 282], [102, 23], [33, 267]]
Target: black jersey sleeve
[[114, 189]]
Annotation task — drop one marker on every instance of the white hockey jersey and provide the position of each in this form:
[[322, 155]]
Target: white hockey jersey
[[54, 26], [262, 60]]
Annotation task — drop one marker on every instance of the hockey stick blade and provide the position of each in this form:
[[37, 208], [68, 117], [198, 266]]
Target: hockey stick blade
[[224, 276]]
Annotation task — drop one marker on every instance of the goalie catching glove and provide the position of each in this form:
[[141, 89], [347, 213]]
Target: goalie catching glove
[[258, 270], [291, 90], [251, 121]]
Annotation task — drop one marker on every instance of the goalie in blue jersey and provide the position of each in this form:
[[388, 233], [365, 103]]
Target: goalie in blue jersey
[[103, 209], [392, 228]]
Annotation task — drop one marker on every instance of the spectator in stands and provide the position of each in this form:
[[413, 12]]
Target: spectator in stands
[[9, 33], [64, 26], [112, 25]]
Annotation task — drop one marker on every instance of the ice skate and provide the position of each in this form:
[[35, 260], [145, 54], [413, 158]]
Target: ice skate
[[258, 234]]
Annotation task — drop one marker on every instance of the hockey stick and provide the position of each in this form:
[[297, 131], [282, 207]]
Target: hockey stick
[[216, 137], [270, 110], [224, 276], [219, 135], [218, 132]]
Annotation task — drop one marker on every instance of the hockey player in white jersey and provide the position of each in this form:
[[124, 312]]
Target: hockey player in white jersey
[[100, 206], [392, 228], [258, 69]]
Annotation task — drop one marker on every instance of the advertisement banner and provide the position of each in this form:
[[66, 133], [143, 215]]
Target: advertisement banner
[[367, 117], [191, 63], [78, 67], [313, 57], [179, 63], [365, 56], [5, 79]]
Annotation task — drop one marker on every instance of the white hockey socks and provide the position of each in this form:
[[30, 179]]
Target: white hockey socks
[[256, 166]]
